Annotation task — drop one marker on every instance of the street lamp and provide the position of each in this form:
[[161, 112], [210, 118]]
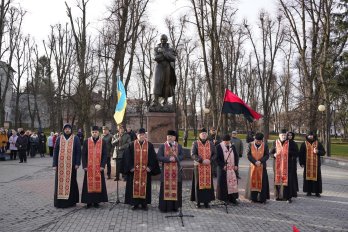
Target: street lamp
[[97, 107], [322, 108]]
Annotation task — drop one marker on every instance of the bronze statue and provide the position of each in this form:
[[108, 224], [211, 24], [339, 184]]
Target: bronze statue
[[164, 80]]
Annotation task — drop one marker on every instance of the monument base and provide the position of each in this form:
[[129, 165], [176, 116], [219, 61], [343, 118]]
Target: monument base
[[158, 123]]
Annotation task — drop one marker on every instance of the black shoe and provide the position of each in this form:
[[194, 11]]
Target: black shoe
[[289, 201], [96, 205], [144, 207], [235, 202], [135, 207], [116, 179], [198, 205], [309, 194], [206, 205], [109, 177], [317, 195], [278, 199], [21, 162], [88, 206]]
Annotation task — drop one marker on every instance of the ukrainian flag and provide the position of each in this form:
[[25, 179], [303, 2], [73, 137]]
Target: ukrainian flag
[[121, 103]]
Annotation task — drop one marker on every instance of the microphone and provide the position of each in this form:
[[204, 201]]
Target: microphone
[[170, 144]]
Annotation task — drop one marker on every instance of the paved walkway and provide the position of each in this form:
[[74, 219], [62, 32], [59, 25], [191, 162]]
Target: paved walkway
[[26, 193]]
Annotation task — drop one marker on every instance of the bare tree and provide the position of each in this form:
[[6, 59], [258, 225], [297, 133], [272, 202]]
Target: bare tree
[[272, 35]]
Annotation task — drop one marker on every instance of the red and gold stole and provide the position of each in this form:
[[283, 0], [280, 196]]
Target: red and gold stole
[[170, 174], [140, 172], [255, 171], [311, 161], [94, 181], [65, 161], [204, 171], [281, 163], [232, 184]]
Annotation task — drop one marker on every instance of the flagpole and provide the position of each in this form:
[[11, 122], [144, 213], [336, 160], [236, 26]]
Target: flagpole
[[217, 129]]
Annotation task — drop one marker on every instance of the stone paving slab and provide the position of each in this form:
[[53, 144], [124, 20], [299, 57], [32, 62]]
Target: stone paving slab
[[26, 193]]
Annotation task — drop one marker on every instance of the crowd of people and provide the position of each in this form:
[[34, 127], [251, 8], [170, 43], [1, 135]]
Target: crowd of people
[[137, 161]]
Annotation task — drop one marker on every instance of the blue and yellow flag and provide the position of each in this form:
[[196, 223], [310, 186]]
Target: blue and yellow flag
[[121, 103]]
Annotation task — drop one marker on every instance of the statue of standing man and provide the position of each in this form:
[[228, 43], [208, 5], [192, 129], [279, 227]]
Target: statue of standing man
[[164, 80]]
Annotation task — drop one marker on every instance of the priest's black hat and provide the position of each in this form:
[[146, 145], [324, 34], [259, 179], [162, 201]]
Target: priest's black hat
[[311, 133], [283, 131], [67, 125], [259, 136], [141, 131], [203, 130], [171, 132], [95, 128], [226, 137]]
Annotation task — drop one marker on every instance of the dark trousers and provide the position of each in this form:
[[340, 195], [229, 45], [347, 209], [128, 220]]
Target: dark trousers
[[22, 155], [108, 166], [13, 154], [51, 151]]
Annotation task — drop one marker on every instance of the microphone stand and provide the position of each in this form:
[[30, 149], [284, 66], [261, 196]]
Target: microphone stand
[[180, 215], [225, 202], [117, 179]]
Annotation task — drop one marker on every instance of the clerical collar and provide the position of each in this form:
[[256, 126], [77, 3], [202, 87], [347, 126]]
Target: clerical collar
[[95, 139], [141, 142]]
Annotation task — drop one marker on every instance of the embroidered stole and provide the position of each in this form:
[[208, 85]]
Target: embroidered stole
[[94, 182], [232, 184], [204, 171], [255, 171], [281, 163], [311, 161], [170, 174], [140, 172], [65, 162]]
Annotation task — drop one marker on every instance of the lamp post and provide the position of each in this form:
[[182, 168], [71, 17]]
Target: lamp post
[[322, 108], [97, 107], [326, 129]]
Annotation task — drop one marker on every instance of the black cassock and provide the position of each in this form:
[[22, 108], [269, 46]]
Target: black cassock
[[164, 205], [129, 165], [87, 197], [287, 192], [310, 186], [201, 195], [221, 187], [264, 194], [74, 188], [294, 149]]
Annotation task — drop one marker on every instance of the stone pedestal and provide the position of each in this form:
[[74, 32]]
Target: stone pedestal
[[158, 123]]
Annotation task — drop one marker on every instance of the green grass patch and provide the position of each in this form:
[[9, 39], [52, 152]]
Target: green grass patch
[[339, 150]]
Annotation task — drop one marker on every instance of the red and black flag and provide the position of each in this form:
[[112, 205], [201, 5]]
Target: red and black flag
[[234, 105]]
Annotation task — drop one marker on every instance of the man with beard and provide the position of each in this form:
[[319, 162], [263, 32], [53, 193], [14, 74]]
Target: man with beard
[[120, 141], [227, 164], [309, 157], [94, 155], [257, 188], [140, 163], [202, 152], [66, 161], [283, 154], [170, 154]]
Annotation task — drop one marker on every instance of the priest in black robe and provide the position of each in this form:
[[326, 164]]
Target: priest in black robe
[[94, 157], [283, 154], [258, 154], [202, 152], [170, 154], [311, 150], [66, 161], [227, 160], [293, 148], [138, 191]]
